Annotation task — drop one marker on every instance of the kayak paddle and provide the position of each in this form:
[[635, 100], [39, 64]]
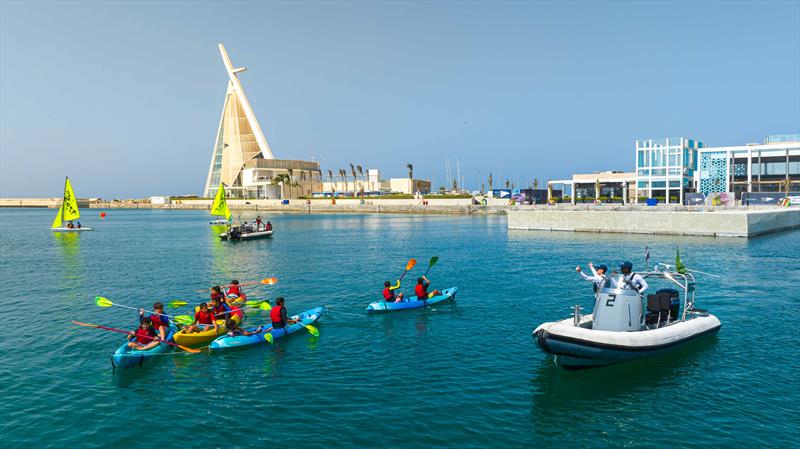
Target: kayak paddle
[[265, 281], [105, 302], [311, 329], [193, 351], [177, 303], [409, 266], [187, 320], [433, 261]]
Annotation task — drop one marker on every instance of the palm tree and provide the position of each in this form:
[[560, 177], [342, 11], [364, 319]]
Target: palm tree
[[507, 183], [330, 177], [291, 180], [343, 175], [410, 168], [535, 183], [361, 173], [281, 179], [353, 172], [490, 181]]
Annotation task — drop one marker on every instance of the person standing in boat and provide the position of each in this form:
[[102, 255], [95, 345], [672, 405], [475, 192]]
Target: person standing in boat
[[258, 223], [597, 277], [630, 279], [279, 315]]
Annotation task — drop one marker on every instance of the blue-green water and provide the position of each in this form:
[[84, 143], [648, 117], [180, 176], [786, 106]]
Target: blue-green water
[[465, 374]]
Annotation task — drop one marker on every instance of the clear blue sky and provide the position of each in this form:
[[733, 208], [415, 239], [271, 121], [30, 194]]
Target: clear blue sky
[[125, 98]]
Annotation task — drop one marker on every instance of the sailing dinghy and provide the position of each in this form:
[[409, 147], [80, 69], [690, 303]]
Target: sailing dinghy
[[68, 212], [220, 208]]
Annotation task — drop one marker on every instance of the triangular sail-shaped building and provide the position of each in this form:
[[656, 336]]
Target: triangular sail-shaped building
[[242, 159]]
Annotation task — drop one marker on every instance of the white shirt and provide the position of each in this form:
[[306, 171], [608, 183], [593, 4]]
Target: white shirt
[[634, 279]]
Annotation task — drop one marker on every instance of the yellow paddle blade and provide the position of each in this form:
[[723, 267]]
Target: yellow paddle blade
[[265, 306], [410, 264], [268, 337], [269, 281], [312, 330], [184, 319], [177, 303], [252, 303], [102, 302]]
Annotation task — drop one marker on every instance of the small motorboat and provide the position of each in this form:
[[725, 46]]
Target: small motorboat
[[246, 231], [621, 328]]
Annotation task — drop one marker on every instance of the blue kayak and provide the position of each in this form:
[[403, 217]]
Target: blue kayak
[[125, 357], [383, 306], [227, 342]]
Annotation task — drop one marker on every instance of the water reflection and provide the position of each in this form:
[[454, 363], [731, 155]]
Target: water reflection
[[69, 262]]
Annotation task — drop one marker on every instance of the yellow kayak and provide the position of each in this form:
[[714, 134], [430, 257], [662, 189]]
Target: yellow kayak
[[207, 336]]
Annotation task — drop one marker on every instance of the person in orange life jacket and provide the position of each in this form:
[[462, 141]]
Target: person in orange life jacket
[[234, 329], [388, 292], [202, 320], [235, 291], [421, 290], [279, 316], [159, 321], [144, 337]]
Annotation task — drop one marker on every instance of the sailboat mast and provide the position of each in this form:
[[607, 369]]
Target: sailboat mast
[[64, 197]]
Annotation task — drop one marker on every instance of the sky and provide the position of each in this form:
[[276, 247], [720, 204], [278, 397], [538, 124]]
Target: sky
[[125, 97]]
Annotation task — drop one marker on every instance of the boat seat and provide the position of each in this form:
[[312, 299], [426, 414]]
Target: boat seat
[[658, 309]]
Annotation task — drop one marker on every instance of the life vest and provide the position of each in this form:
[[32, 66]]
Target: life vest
[[388, 294], [422, 291], [159, 321], [218, 296], [275, 316], [219, 312], [206, 317], [145, 336], [234, 290]]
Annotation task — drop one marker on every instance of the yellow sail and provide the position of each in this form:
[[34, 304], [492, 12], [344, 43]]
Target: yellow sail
[[69, 209], [220, 206], [57, 220]]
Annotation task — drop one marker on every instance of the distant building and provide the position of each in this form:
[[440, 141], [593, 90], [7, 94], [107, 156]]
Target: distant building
[[752, 167], [243, 161], [409, 186], [371, 183], [615, 186], [665, 168]]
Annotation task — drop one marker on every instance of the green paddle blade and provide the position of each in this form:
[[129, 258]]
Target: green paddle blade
[[177, 303], [252, 303], [433, 261], [184, 319], [268, 337], [265, 306], [103, 302], [312, 330]]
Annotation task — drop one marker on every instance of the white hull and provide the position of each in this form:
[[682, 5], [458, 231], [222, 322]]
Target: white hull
[[72, 229], [249, 235], [218, 222], [582, 347]]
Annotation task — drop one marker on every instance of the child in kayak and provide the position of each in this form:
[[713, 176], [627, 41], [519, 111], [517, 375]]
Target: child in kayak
[[234, 329], [220, 309], [159, 321], [202, 320], [421, 290], [216, 293], [144, 337], [279, 316], [388, 292], [235, 291]]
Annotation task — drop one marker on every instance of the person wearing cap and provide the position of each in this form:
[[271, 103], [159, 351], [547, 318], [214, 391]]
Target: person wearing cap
[[597, 277], [630, 279]]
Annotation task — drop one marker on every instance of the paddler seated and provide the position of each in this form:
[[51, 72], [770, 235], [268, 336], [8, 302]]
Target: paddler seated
[[268, 226], [220, 309], [159, 321], [631, 280], [421, 289], [235, 291], [144, 337], [597, 277], [279, 316], [233, 329], [388, 292], [203, 318]]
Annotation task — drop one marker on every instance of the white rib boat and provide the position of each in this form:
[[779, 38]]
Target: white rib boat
[[621, 329]]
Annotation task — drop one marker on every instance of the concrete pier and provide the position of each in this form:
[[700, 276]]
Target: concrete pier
[[717, 223]]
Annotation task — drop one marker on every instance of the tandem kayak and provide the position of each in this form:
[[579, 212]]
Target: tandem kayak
[[125, 357], [227, 342], [204, 337], [383, 306]]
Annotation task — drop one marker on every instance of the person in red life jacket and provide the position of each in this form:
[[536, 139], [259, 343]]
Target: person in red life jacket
[[203, 318], [421, 290], [144, 337], [268, 226], [220, 309], [216, 293], [279, 316], [233, 329], [158, 319], [235, 291], [258, 223], [388, 292]]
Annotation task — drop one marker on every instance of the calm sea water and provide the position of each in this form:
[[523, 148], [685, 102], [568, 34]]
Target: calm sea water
[[465, 374]]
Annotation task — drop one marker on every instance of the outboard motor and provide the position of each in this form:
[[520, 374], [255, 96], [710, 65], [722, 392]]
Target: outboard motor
[[617, 310]]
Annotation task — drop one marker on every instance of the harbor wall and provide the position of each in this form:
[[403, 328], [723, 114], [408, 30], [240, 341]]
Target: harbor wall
[[717, 223]]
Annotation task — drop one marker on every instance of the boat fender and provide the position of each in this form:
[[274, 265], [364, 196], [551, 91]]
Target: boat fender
[[541, 339]]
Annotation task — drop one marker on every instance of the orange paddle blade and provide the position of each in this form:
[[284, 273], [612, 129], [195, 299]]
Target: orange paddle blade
[[410, 264]]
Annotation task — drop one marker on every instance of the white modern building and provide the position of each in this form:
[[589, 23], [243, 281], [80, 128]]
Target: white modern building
[[665, 168], [242, 159]]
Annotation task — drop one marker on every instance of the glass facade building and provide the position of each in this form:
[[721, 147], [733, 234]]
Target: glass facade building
[[665, 168]]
